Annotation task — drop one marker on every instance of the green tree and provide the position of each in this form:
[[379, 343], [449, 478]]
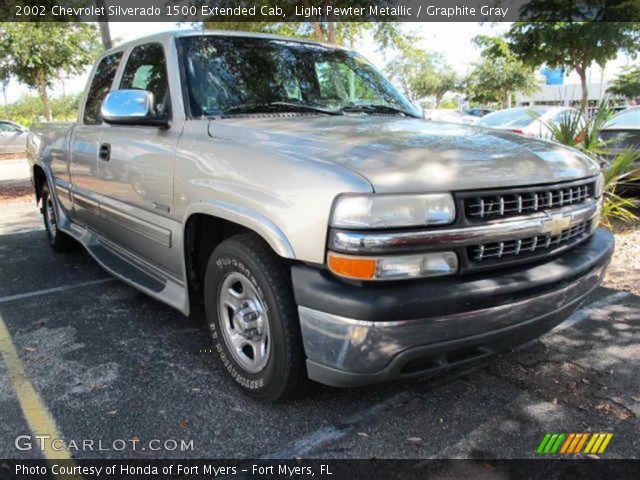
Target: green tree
[[499, 74], [408, 65], [422, 74], [34, 53], [385, 34], [573, 45], [627, 84], [437, 80], [28, 109]]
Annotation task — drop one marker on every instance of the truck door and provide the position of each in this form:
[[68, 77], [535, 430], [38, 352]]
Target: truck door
[[85, 143], [135, 169]]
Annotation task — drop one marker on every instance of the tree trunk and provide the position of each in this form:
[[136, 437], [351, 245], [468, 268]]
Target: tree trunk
[[4, 94], [106, 35], [317, 32], [582, 73], [331, 32], [103, 21], [315, 24], [61, 78], [508, 99], [44, 96]]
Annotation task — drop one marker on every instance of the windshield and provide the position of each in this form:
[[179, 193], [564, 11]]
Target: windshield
[[243, 75], [517, 117], [630, 118]]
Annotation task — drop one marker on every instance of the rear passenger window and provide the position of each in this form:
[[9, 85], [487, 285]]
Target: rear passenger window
[[147, 70], [99, 88]]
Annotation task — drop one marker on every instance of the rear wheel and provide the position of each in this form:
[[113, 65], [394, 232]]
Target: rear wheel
[[59, 241], [253, 319]]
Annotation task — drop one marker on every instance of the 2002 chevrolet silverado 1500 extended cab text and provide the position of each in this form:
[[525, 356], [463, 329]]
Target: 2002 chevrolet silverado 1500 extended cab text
[[288, 191]]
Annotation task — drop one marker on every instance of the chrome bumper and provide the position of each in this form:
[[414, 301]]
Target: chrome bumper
[[517, 306]]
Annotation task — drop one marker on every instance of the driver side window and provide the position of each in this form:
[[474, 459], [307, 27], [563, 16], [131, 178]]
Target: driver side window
[[146, 69]]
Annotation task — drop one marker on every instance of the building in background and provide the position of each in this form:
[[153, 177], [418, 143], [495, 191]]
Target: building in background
[[553, 76], [555, 92], [567, 95]]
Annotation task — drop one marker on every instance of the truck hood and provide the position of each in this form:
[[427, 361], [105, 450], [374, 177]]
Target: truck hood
[[397, 154]]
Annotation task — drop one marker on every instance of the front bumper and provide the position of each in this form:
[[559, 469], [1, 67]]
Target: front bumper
[[359, 334]]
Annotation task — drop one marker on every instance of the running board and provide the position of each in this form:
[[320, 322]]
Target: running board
[[122, 268], [127, 269]]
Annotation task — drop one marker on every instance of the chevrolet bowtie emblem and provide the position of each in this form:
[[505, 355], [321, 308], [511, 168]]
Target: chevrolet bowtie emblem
[[555, 224]]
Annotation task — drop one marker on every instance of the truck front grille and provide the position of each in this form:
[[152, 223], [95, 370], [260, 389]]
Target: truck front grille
[[491, 205], [540, 244]]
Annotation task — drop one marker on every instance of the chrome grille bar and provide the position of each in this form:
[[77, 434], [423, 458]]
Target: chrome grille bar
[[514, 248], [503, 203], [347, 241]]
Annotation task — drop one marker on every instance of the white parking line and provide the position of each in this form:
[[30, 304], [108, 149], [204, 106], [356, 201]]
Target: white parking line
[[35, 412], [47, 291], [587, 310], [310, 442]]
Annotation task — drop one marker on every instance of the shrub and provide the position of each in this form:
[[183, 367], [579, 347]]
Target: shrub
[[28, 110], [584, 134]]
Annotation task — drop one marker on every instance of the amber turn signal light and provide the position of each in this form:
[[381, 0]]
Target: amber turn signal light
[[361, 268], [393, 267]]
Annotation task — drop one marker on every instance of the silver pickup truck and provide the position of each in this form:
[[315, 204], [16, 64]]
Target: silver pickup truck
[[287, 191]]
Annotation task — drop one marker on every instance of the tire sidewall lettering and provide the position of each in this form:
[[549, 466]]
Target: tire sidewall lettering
[[228, 264]]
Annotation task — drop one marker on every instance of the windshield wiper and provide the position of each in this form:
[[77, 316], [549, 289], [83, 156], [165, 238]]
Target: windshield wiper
[[373, 108], [277, 107]]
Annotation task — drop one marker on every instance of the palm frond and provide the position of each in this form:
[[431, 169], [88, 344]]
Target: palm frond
[[584, 134], [622, 170]]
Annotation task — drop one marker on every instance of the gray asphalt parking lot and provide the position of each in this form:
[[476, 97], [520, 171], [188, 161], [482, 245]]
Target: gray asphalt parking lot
[[109, 363]]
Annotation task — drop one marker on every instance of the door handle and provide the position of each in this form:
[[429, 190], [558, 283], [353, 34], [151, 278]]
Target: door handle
[[104, 152]]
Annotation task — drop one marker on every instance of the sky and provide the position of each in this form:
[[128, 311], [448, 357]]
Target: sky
[[452, 40]]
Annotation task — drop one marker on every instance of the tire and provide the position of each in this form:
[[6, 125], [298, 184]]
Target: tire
[[58, 240], [253, 319]]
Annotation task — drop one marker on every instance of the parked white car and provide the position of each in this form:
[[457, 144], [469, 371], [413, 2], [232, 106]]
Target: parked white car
[[529, 121], [13, 137]]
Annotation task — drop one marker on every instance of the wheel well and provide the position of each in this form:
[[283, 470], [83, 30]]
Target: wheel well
[[202, 234], [39, 180]]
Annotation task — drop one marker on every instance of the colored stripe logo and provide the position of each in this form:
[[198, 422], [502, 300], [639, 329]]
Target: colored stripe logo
[[574, 443]]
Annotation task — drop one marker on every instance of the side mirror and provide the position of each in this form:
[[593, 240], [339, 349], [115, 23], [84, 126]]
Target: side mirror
[[131, 107]]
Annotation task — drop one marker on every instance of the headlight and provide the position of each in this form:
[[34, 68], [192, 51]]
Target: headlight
[[599, 185], [389, 211], [396, 267]]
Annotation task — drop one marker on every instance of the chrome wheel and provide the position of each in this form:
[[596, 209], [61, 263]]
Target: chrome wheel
[[244, 322], [50, 217]]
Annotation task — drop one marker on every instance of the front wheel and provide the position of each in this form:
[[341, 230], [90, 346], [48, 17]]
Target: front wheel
[[253, 319], [58, 240]]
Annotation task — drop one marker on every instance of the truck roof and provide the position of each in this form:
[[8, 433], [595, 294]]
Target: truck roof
[[222, 33]]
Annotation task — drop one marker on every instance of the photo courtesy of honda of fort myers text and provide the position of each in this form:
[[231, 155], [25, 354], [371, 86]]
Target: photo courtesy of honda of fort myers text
[[332, 239]]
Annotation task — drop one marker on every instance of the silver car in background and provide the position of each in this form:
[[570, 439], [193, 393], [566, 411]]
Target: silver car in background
[[622, 131], [450, 115], [13, 137], [529, 121]]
